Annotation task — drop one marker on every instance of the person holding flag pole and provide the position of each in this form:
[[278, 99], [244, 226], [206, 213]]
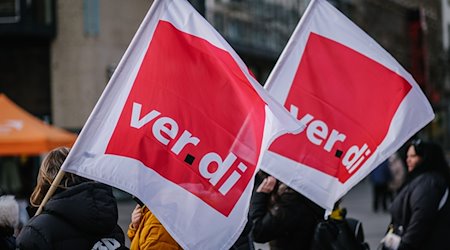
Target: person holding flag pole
[[75, 214]]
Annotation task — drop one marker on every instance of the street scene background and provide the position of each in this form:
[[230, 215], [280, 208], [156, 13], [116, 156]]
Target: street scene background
[[56, 57]]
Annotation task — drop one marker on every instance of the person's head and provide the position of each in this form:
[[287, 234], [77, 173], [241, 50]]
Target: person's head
[[47, 172], [427, 156], [412, 158]]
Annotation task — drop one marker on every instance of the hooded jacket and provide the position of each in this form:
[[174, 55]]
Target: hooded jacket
[[83, 216]]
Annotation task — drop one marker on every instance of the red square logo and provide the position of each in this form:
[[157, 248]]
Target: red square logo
[[193, 117], [347, 101]]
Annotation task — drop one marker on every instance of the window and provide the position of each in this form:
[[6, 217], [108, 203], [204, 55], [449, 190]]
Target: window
[[9, 11], [91, 17]]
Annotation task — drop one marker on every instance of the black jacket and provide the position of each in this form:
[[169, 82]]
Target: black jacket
[[80, 217], [289, 224], [7, 239], [415, 214]]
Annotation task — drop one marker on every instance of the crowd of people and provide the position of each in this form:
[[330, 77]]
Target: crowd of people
[[83, 214]]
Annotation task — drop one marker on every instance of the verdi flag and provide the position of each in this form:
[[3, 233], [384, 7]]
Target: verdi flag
[[181, 125], [358, 103]]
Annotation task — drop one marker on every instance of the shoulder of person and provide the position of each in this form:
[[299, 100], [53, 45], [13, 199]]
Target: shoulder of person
[[431, 179]]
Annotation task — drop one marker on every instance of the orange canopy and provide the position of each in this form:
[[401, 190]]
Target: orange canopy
[[22, 133]]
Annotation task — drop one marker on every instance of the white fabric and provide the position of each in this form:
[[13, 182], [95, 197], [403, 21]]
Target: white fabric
[[191, 222], [391, 241], [413, 113], [9, 211]]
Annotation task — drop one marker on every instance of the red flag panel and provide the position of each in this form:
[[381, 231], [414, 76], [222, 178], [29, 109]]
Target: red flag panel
[[333, 84], [210, 146]]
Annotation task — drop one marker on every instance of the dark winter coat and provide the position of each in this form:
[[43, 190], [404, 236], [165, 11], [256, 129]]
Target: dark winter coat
[[7, 239], [289, 224], [415, 214], [81, 217]]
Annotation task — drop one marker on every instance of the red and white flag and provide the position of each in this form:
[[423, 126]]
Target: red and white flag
[[182, 125], [358, 103]]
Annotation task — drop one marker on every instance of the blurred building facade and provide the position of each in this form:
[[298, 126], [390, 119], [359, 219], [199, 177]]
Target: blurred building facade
[[57, 56], [257, 29], [27, 29], [412, 31], [92, 36]]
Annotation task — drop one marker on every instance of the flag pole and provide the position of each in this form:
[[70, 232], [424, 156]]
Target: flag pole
[[51, 190]]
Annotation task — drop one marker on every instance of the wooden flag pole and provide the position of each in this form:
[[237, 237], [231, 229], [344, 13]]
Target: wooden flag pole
[[51, 190]]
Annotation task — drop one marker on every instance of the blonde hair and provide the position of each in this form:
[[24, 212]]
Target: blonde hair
[[47, 172]]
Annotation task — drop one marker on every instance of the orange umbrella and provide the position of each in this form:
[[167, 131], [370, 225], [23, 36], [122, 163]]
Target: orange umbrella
[[22, 133]]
